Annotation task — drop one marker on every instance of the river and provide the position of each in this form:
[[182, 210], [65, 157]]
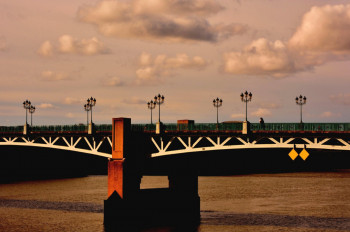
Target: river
[[293, 202]]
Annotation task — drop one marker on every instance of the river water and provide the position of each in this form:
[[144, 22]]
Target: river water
[[291, 202]]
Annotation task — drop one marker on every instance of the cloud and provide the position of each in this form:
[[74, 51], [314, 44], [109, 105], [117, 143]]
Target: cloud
[[269, 105], [324, 29], [45, 106], [49, 75], [241, 116], [341, 98], [322, 36], [159, 20], [135, 101], [3, 44], [67, 44], [112, 81], [261, 112], [70, 115], [92, 46], [46, 49], [261, 57], [72, 101], [329, 114], [153, 69]]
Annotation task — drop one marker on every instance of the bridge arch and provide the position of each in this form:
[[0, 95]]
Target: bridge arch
[[189, 144], [91, 145]]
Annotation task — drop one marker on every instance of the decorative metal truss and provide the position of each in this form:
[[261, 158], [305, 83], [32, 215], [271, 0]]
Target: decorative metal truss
[[186, 144], [99, 145]]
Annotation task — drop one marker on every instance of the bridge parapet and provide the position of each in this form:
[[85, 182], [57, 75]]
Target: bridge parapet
[[236, 126]]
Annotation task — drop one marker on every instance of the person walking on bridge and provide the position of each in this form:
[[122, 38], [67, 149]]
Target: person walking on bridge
[[262, 124]]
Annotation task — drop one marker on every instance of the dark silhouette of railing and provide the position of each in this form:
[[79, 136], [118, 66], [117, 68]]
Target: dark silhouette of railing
[[335, 127]]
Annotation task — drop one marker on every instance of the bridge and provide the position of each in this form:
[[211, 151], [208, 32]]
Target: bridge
[[185, 137], [130, 147]]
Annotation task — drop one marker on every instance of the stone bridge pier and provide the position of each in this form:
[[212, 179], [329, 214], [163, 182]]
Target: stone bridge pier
[[127, 204]]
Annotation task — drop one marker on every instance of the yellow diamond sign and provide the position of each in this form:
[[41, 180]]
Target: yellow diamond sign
[[293, 154], [304, 154]]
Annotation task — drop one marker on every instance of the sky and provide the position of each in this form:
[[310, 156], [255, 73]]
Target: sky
[[124, 52]]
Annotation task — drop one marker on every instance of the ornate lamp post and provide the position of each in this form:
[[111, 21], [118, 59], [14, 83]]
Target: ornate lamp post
[[87, 109], [90, 102], [151, 105], [158, 100], [26, 106], [31, 111], [301, 101], [217, 103], [246, 98]]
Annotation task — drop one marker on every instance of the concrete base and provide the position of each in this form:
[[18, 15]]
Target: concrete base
[[151, 207], [246, 127], [91, 128], [159, 128], [26, 129]]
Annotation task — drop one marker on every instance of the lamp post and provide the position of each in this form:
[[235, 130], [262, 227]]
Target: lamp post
[[217, 103], [87, 109], [246, 98], [31, 111], [26, 106], [90, 102], [151, 105], [301, 101], [158, 100]]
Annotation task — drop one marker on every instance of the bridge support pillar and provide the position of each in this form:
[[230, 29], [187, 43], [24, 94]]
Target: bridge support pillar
[[184, 185], [127, 206]]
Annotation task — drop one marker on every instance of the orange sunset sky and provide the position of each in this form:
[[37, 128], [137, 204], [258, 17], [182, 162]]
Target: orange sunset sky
[[123, 52]]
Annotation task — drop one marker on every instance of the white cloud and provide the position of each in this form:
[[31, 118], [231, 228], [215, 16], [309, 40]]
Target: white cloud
[[67, 44], [329, 114], [261, 57], [134, 101], [324, 29], [46, 49], [236, 116], [3, 44], [323, 36], [72, 101], [153, 69], [45, 106], [261, 112], [70, 115], [269, 105], [160, 20], [49, 75], [341, 98], [112, 81]]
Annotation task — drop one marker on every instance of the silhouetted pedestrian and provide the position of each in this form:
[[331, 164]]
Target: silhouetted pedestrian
[[262, 124]]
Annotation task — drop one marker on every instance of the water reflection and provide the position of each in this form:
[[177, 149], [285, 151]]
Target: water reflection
[[215, 218], [52, 205], [288, 202]]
